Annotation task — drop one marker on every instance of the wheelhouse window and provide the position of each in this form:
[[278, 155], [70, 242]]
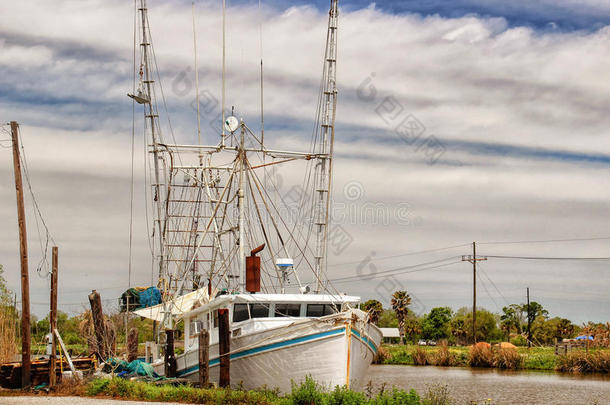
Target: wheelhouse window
[[215, 315], [259, 310], [240, 312], [317, 310], [288, 310]]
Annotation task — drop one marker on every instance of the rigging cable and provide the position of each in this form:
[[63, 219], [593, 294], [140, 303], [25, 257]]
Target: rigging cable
[[133, 136]]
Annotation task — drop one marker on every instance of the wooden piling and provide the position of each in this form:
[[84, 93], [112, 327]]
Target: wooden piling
[[132, 344], [53, 319], [98, 324], [224, 347], [23, 253], [170, 357], [204, 358]]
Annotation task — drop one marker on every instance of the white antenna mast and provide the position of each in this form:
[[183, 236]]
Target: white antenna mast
[[196, 77], [222, 141], [325, 145], [260, 27]]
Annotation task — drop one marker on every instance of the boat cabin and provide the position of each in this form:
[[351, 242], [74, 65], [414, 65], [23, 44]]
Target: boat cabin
[[250, 313]]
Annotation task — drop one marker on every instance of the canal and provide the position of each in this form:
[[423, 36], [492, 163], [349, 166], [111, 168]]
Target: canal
[[502, 387]]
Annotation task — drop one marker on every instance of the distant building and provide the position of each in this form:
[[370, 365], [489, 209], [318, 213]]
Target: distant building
[[390, 335]]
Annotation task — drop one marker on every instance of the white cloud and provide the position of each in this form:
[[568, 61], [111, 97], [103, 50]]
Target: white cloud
[[472, 82]]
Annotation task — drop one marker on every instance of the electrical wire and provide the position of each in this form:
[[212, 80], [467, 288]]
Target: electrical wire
[[401, 255], [400, 270], [548, 258], [545, 241]]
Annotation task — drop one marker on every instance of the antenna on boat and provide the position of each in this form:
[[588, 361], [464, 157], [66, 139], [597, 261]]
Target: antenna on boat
[[196, 79], [222, 141], [260, 31]]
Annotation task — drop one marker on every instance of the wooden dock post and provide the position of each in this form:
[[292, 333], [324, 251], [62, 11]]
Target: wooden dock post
[[23, 250], [170, 357], [53, 319], [98, 324], [224, 347], [204, 358], [132, 344]]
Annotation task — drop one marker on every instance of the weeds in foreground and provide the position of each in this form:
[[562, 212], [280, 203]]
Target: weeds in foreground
[[308, 392]]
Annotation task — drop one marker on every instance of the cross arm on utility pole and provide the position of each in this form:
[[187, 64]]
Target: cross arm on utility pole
[[471, 258]]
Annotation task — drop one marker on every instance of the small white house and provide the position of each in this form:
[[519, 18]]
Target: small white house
[[390, 335]]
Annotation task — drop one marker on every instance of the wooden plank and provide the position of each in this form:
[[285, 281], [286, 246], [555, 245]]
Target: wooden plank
[[63, 348], [204, 359], [224, 347]]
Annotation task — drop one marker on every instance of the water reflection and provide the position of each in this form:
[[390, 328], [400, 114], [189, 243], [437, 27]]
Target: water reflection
[[503, 387]]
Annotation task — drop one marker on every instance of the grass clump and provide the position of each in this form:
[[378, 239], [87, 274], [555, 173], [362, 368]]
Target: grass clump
[[420, 357], [308, 392], [480, 355], [507, 359], [444, 357], [582, 362]]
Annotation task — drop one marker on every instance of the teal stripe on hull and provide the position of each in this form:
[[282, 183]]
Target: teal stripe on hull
[[365, 340], [264, 348]]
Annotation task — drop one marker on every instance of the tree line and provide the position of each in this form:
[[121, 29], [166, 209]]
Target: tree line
[[455, 327]]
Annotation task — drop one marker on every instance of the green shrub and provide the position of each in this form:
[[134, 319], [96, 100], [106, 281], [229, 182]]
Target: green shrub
[[519, 341], [437, 395], [307, 393]]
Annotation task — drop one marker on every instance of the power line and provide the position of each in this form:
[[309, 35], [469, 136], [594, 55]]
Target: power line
[[545, 241], [398, 270], [402, 254], [550, 258]]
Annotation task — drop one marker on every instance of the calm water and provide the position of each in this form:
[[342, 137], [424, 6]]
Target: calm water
[[503, 387]]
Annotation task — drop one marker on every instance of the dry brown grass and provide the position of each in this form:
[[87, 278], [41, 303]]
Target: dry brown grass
[[480, 356], [581, 362], [420, 357], [507, 358], [8, 338], [381, 356], [443, 357]]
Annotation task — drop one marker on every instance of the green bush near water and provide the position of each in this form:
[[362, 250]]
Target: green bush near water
[[308, 392]]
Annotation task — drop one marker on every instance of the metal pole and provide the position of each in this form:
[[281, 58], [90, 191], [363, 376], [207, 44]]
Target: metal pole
[[529, 319], [222, 140], [23, 250], [474, 292], [242, 222], [53, 319]]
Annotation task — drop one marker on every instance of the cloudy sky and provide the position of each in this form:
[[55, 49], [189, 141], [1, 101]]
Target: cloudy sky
[[460, 120]]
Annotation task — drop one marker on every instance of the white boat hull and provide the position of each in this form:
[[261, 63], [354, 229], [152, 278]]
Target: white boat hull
[[333, 350]]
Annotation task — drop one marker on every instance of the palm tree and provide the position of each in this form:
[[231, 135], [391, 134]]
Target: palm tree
[[374, 308], [400, 304], [458, 329], [412, 328]]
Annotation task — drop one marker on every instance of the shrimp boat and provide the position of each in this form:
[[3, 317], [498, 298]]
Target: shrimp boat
[[228, 239]]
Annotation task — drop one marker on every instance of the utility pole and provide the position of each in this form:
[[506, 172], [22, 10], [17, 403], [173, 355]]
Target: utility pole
[[53, 319], [23, 249], [529, 320], [474, 259]]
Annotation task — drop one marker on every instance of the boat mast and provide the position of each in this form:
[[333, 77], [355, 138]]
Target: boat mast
[[150, 114], [325, 146], [241, 204]]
